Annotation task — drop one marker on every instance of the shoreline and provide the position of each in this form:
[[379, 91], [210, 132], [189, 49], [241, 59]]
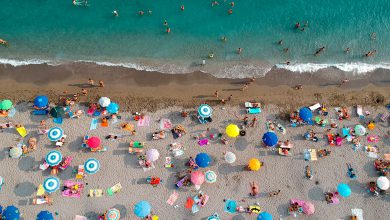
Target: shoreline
[[137, 90]]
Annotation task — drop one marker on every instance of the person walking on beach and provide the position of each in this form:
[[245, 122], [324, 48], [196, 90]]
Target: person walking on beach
[[216, 94], [230, 98], [245, 87], [253, 123], [101, 83], [91, 82], [343, 82]]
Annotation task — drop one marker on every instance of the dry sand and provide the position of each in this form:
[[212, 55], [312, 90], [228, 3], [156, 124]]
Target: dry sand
[[279, 172]]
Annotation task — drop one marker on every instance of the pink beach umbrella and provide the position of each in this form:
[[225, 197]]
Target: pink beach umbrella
[[197, 178], [308, 208], [94, 142], [152, 155]]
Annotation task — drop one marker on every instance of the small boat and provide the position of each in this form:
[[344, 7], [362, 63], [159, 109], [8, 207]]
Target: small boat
[[3, 42]]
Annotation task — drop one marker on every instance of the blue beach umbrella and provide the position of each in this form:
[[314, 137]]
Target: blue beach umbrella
[[305, 114], [11, 213], [205, 111], [203, 160], [142, 209], [55, 134], [270, 139], [113, 108], [41, 101], [264, 216], [91, 166], [45, 215], [344, 190], [51, 184], [53, 158], [230, 206]]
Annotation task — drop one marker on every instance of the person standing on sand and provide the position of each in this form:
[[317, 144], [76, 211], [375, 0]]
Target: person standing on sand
[[343, 82], [230, 98], [253, 123], [84, 92], [216, 94], [91, 82], [101, 83], [245, 87]]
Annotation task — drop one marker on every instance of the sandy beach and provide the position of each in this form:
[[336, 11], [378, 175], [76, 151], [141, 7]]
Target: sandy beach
[[165, 96]]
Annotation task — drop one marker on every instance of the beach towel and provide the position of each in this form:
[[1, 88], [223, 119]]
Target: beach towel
[[230, 206], [359, 111], [195, 208], [22, 131], [40, 112], [90, 111], [358, 213], [11, 113], [79, 217], [189, 203], [168, 162], [165, 124], [313, 154], [94, 123], [172, 198], [144, 122], [104, 124], [203, 142], [315, 107], [57, 120], [96, 113]]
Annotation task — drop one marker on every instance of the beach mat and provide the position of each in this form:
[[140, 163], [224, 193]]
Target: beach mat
[[57, 120], [22, 131], [94, 123], [172, 198], [144, 122], [358, 213]]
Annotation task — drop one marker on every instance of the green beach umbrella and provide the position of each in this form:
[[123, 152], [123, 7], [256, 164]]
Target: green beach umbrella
[[6, 104], [57, 112]]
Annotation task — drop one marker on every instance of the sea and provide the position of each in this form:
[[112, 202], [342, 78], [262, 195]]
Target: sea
[[57, 31]]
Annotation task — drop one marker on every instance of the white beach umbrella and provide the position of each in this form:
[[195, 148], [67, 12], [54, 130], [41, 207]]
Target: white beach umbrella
[[210, 176], [230, 157], [383, 183], [152, 155], [104, 101]]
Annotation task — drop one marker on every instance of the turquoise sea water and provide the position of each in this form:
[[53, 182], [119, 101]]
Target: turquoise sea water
[[57, 30]]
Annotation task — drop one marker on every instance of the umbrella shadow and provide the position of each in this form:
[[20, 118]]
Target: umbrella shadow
[[175, 117], [370, 169], [3, 153], [131, 160], [66, 174], [122, 209], [92, 215], [24, 189], [241, 143], [26, 163], [239, 217], [75, 146], [37, 118], [357, 187], [228, 168], [283, 209], [316, 193], [24, 202]]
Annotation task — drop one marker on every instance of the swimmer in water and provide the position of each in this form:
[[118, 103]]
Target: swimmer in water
[[224, 38], [149, 11], [211, 55], [280, 42], [182, 7], [230, 11], [141, 13], [322, 49], [239, 50], [168, 30], [165, 22], [232, 4], [286, 50], [115, 13], [347, 50], [297, 25], [214, 3], [373, 36]]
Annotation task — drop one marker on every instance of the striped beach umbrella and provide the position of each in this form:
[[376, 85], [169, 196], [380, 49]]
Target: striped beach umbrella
[[45, 215], [55, 134], [113, 214], [51, 184], [91, 166], [210, 177], [205, 111], [53, 158]]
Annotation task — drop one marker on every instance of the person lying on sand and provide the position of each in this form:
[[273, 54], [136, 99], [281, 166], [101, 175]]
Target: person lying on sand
[[254, 188], [274, 193]]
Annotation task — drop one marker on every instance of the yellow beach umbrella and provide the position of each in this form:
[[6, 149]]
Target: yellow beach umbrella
[[232, 130], [254, 164], [371, 126]]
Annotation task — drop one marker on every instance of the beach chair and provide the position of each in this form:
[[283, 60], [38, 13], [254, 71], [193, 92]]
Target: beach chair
[[22, 131], [313, 154], [114, 189], [252, 105], [359, 111], [84, 144], [315, 107], [80, 172], [253, 110], [95, 193]]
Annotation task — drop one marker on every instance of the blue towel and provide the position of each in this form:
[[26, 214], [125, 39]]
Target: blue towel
[[94, 123], [57, 120], [11, 113]]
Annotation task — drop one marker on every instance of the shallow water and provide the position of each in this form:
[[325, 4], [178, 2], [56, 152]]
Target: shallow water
[[59, 31]]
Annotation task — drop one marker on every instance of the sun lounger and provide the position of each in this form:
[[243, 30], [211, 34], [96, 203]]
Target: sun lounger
[[194, 209], [80, 172], [22, 131], [253, 110], [40, 112], [315, 107], [359, 111], [313, 154], [114, 189], [39, 201], [172, 198], [95, 193], [94, 123], [252, 105]]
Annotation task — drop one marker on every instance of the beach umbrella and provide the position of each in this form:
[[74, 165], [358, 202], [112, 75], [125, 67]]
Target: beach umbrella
[[270, 139], [360, 130], [55, 134], [210, 177], [214, 217], [91, 166], [16, 152], [41, 101], [308, 208], [57, 112], [53, 158], [94, 142], [142, 209], [152, 155], [230, 206], [254, 164], [6, 104], [371, 126], [264, 216], [113, 108], [11, 213], [113, 214], [205, 111], [305, 114], [51, 184], [104, 101], [383, 183], [344, 190], [230, 157], [197, 178], [45, 215], [202, 160], [232, 130]]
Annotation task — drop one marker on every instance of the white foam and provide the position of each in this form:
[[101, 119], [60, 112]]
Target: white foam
[[356, 68], [16, 63]]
